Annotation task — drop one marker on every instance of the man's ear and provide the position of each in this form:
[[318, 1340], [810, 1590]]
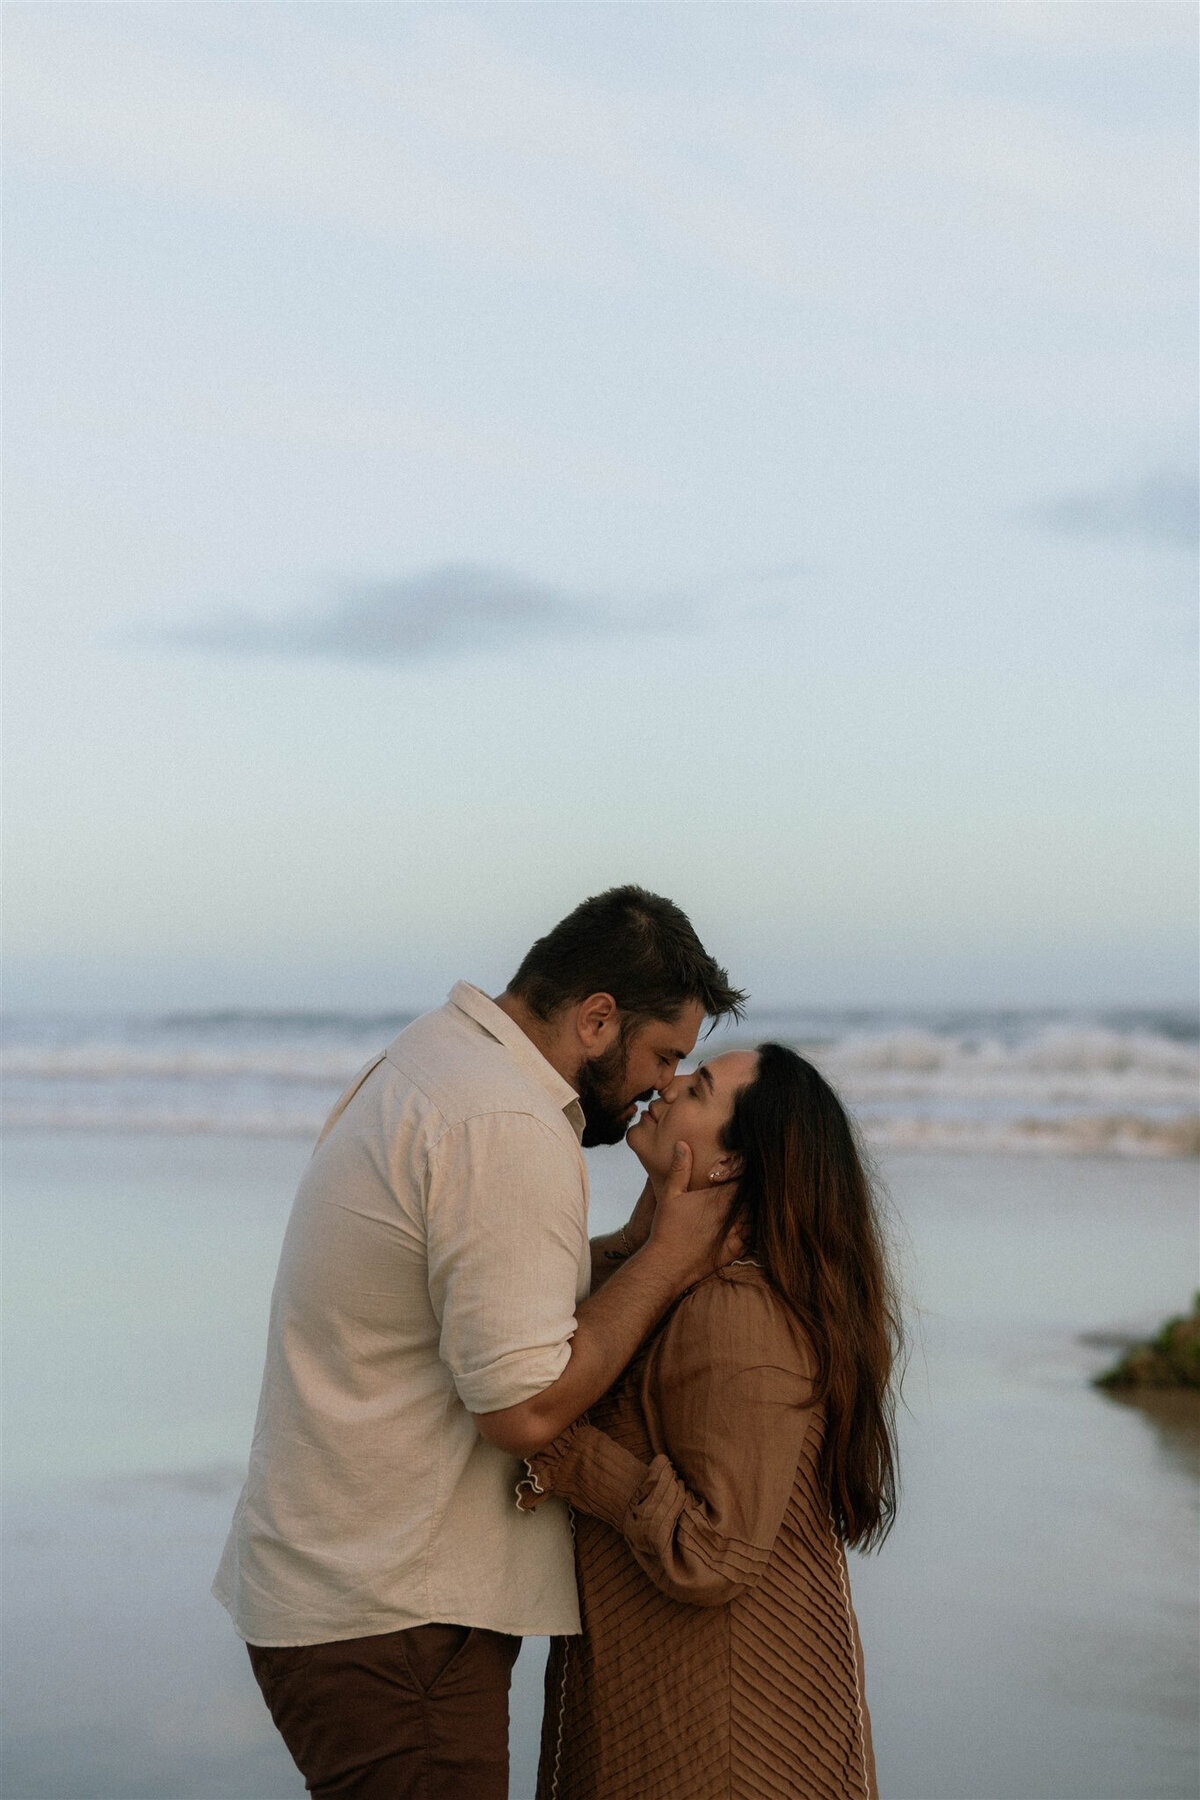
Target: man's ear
[[597, 1021]]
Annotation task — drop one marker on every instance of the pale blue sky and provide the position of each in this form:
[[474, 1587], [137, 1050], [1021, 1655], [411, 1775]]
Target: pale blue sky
[[459, 457]]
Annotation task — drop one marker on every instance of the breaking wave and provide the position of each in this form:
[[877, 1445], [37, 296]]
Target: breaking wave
[[1109, 1084]]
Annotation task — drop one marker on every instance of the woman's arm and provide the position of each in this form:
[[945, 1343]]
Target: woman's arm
[[610, 1251], [728, 1387]]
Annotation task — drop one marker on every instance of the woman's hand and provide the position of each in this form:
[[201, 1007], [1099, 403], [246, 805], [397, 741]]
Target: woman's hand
[[610, 1251]]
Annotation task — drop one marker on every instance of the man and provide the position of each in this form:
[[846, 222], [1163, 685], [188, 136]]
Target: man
[[429, 1326]]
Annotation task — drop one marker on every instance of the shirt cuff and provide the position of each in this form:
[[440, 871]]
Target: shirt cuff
[[510, 1379], [588, 1469]]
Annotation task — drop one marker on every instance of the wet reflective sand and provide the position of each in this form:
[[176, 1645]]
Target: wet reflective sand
[[1030, 1629]]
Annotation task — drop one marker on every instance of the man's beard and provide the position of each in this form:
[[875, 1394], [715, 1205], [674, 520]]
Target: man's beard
[[601, 1082]]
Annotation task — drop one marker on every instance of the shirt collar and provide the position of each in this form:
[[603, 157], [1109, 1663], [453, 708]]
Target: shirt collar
[[475, 1003]]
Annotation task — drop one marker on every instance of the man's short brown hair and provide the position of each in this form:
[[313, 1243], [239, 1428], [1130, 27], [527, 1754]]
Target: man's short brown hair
[[634, 945]]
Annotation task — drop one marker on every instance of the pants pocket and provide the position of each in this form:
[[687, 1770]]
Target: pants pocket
[[273, 1664], [429, 1651]]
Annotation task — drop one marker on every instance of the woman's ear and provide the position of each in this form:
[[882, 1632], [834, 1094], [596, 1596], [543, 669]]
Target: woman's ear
[[726, 1168]]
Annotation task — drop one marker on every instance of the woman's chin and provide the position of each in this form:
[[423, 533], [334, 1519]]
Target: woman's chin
[[642, 1145], [633, 1137]]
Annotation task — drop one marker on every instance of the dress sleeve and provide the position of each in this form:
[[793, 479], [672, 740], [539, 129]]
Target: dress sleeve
[[726, 1393]]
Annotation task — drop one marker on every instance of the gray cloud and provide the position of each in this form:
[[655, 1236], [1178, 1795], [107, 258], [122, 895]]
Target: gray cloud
[[452, 610], [1164, 508]]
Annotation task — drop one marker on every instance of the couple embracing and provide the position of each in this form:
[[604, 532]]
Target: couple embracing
[[654, 1447]]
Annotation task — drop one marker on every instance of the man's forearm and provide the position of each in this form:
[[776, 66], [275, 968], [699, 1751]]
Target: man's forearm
[[610, 1325]]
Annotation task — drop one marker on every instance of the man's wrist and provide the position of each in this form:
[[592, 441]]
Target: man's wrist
[[674, 1265], [635, 1235], [618, 1246]]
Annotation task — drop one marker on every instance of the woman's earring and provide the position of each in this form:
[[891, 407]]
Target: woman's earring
[[714, 1174]]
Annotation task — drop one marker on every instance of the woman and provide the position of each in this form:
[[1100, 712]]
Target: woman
[[713, 1489]]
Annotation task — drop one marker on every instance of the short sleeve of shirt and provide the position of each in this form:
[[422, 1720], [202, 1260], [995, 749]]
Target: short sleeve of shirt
[[507, 1229]]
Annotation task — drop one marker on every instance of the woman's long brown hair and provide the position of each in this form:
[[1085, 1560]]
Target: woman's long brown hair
[[806, 1208]]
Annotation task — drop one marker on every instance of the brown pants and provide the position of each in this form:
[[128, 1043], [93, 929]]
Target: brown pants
[[411, 1715]]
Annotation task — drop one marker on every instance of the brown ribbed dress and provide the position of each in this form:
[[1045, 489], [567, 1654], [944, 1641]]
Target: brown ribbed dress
[[719, 1658]]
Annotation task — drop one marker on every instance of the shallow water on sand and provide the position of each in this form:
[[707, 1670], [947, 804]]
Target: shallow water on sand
[[1030, 1628]]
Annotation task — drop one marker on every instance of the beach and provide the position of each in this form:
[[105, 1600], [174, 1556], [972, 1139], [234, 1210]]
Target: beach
[[463, 457], [1030, 1628]]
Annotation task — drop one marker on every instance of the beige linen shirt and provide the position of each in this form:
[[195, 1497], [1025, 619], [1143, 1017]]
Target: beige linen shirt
[[436, 1252]]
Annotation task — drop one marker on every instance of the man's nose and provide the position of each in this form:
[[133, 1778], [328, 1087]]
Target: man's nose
[[666, 1089]]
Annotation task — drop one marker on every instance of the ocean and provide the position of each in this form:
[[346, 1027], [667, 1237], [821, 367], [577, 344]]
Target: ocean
[[1121, 1083], [1031, 1626]]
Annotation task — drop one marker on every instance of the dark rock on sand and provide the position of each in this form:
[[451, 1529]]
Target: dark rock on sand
[[1170, 1360]]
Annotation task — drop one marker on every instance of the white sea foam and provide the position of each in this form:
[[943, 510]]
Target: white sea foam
[[1088, 1134], [116, 1062], [1053, 1052], [1115, 1085], [163, 1121], [1079, 1134]]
